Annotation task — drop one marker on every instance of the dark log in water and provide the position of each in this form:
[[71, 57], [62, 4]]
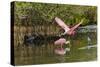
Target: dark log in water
[[40, 39]]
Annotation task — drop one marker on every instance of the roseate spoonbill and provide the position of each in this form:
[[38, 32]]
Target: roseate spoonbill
[[69, 31], [61, 42], [61, 51]]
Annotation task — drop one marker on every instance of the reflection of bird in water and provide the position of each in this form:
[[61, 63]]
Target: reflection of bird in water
[[69, 31], [61, 42], [61, 51]]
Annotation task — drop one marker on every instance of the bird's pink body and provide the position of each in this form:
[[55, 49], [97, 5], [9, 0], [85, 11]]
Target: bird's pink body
[[60, 41]]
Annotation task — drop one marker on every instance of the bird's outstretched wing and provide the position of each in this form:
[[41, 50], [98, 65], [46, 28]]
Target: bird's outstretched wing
[[77, 25], [61, 23]]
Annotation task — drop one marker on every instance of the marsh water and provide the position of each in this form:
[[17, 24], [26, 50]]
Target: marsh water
[[43, 52]]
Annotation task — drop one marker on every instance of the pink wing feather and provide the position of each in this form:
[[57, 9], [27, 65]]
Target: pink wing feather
[[61, 23], [77, 25]]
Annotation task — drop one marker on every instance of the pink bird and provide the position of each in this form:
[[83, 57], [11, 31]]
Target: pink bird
[[69, 31], [61, 42]]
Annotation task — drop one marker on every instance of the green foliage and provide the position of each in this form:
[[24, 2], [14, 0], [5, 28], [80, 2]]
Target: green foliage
[[43, 13]]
